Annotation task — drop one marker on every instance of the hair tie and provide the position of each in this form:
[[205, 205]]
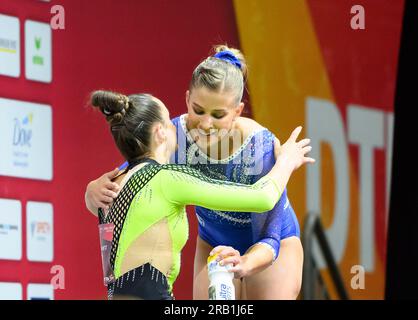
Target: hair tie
[[228, 56], [106, 111]]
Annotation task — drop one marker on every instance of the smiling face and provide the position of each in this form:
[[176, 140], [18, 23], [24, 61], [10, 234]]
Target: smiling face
[[211, 114]]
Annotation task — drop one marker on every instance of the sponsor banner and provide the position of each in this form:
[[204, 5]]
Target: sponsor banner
[[9, 46], [39, 231], [38, 51], [37, 291], [10, 291], [10, 229], [26, 140]]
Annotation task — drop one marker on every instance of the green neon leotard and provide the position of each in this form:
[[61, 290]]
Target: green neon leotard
[[150, 218]]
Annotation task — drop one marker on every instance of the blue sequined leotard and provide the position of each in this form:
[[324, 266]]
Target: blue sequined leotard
[[247, 165]]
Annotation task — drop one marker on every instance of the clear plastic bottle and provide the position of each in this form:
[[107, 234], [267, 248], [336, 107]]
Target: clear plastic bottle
[[221, 286]]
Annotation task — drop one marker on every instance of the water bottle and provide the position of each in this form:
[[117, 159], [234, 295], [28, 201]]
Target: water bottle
[[221, 286]]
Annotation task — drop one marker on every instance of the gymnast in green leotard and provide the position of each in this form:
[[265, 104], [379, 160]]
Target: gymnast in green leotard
[[149, 217]]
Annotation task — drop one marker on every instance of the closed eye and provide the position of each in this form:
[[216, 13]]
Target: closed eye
[[198, 110], [216, 116]]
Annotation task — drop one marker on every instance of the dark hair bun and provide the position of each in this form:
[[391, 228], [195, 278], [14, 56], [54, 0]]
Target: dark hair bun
[[112, 105]]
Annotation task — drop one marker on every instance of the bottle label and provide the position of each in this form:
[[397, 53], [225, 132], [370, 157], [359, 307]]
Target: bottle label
[[221, 286], [221, 291]]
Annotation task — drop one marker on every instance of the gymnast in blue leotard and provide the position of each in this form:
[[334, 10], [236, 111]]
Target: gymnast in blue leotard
[[265, 249], [247, 165]]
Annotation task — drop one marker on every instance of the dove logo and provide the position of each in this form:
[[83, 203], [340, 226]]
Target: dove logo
[[22, 133], [26, 139]]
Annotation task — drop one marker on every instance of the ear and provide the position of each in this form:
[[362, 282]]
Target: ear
[[187, 97], [238, 110], [160, 134]]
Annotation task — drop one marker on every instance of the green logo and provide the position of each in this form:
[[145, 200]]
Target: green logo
[[38, 43], [37, 59]]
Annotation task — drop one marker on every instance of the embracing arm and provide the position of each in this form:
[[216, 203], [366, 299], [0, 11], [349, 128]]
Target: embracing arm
[[87, 199], [187, 186], [101, 192]]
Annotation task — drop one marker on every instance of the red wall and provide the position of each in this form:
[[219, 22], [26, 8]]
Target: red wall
[[130, 46]]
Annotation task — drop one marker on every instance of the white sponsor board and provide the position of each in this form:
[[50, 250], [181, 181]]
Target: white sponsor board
[[39, 231], [38, 51], [10, 229], [10, 291], [25, 139], [9, 46], [40, 291]]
